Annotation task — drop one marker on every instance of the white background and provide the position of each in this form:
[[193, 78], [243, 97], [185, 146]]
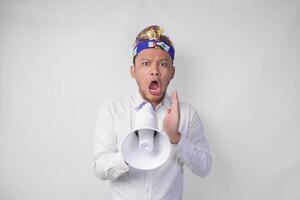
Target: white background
[[237, 62]]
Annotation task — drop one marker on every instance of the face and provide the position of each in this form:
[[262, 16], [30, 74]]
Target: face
[[153, 70]]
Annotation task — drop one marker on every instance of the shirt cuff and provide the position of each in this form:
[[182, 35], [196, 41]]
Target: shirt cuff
[[182, 144]]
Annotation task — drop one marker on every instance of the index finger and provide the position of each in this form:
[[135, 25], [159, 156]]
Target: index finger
[[175, 101]]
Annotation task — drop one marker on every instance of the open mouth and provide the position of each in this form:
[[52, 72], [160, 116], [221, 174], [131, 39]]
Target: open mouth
[[154, 88]]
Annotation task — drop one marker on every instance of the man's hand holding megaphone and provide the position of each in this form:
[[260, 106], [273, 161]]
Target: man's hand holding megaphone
[[172, 119]]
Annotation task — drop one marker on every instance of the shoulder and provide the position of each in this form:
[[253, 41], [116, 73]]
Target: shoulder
[[117, 104], [187, 108], [188, 113]]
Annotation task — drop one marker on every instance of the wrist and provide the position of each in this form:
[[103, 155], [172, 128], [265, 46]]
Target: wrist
[[176, 138]]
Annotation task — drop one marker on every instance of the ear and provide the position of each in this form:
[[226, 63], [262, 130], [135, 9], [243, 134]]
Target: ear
[[132, 71], [173, 72]]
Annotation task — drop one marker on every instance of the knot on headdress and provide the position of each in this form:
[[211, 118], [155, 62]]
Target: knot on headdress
[[151, 33]]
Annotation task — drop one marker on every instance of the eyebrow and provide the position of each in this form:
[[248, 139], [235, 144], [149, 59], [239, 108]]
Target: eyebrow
[[165, 59]]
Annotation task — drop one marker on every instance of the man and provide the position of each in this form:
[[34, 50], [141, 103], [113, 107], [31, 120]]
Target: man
[[153, 70]]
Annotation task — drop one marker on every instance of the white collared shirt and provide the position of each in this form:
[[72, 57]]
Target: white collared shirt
[[117, 118]]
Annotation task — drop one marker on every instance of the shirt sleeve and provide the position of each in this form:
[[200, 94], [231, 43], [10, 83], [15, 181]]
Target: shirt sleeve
[[108, 163], [193, 148]]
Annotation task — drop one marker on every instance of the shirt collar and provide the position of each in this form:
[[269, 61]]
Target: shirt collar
[[138, 100]]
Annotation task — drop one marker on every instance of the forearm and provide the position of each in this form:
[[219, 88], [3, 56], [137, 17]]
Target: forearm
[[196, 157]]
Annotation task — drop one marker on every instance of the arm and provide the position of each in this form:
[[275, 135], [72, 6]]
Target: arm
[[192, 147], [107, 161]]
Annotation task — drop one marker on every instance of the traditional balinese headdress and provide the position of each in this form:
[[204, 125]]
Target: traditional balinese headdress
[[152, 37]]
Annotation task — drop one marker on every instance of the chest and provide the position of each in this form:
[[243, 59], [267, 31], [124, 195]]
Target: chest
[[125, 120]]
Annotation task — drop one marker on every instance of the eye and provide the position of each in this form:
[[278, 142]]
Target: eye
[[164, 63], [145, 63]]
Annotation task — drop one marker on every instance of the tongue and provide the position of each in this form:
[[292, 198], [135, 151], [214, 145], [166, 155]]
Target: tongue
[[153, 86]]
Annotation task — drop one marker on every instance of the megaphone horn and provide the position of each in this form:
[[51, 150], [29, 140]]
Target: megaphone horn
[[145, 147]]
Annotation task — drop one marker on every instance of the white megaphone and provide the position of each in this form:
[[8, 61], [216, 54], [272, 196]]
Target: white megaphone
[[145, 147]]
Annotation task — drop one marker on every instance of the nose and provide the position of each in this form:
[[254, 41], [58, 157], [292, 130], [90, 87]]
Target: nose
[[154, 71], [154, 74]]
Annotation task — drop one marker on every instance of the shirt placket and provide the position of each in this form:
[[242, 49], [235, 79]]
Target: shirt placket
[[160, 115], [148, 185], [149, 173]]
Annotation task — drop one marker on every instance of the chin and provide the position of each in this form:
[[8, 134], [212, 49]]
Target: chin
[[155, 98]]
